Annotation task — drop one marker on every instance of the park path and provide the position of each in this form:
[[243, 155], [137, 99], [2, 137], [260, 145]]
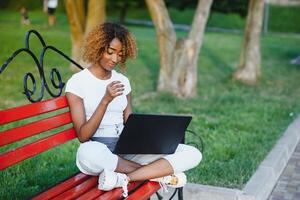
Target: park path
[[288, 184]]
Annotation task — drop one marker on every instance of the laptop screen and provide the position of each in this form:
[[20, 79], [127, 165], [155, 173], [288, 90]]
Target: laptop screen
[[152, 134]]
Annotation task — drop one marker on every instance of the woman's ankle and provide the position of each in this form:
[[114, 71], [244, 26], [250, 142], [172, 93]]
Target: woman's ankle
[[128, 178]]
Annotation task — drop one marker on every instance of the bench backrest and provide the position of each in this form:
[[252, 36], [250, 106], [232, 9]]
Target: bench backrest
[[30, 129]]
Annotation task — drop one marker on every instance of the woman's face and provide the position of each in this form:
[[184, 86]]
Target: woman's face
[[112, 55]]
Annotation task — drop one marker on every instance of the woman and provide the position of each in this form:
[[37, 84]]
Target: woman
[[100, 103]]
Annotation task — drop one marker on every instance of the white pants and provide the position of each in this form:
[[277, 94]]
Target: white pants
[[92, 157]]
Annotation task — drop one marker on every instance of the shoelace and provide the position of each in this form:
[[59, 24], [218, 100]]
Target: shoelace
[[164, 183], [125, 189]]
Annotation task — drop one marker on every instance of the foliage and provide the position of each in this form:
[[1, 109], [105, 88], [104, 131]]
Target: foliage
[[231, 6], [124, 6], [224, 6], [16, 5], [181, 5]]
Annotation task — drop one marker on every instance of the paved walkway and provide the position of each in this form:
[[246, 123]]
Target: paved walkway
[[288, 185]]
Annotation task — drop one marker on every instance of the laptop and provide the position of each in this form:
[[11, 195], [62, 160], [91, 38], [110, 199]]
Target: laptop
[[152, 134]]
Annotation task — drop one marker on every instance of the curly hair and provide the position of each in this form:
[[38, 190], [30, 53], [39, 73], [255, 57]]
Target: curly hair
[[99, 38]]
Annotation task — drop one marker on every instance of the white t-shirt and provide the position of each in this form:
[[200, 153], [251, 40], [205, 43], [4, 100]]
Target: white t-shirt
[[91, 89], [52, 3]]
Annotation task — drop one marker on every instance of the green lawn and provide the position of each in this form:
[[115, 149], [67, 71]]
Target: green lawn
[[239, 124]]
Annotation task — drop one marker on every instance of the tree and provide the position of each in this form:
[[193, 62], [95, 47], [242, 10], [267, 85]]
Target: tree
[[123, 6], [231, 6], [178, 57], [250, 60], [81, 23]]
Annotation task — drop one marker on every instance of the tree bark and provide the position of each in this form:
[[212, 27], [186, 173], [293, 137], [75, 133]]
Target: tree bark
[[178, 57], [250, 58], [76, 28], [166, 38], [96, 14], [80, 24], [81, 12]]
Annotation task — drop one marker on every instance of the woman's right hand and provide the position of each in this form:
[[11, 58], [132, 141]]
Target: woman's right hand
[[113, 90]]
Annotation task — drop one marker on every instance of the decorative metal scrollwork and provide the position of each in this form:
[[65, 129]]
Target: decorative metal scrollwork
[[196, 140], [54, 73]]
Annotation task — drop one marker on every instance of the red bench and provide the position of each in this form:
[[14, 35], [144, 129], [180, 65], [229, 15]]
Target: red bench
[[79, 186]]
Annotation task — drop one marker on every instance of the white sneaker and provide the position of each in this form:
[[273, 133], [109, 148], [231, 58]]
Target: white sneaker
[[109, 180], [173, 181]]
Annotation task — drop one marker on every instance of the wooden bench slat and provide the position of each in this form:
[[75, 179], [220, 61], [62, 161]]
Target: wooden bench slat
[[34, 109], [62, 187], [28, 130], [79, 189], [145, 191], [16, 155], [92, 194], [82, 187], [117, 193]]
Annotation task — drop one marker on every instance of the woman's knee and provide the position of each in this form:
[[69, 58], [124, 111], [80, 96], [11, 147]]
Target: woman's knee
[[92, 157], [196, 154], [185, 157], [192, 153]]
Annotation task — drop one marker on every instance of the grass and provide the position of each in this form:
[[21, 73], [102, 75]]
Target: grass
[[239, 124]]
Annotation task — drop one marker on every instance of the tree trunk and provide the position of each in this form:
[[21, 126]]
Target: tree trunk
[[184, 73], [80, 24], [166, 38], [250, 60], [96, 14], [81, 12], [76, 28], [178, 57], [123, 12]]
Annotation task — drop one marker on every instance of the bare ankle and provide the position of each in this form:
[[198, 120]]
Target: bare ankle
[[128, 178]]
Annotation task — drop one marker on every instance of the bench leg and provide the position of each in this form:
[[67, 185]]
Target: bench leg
[[180, 193], [159, 196]]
